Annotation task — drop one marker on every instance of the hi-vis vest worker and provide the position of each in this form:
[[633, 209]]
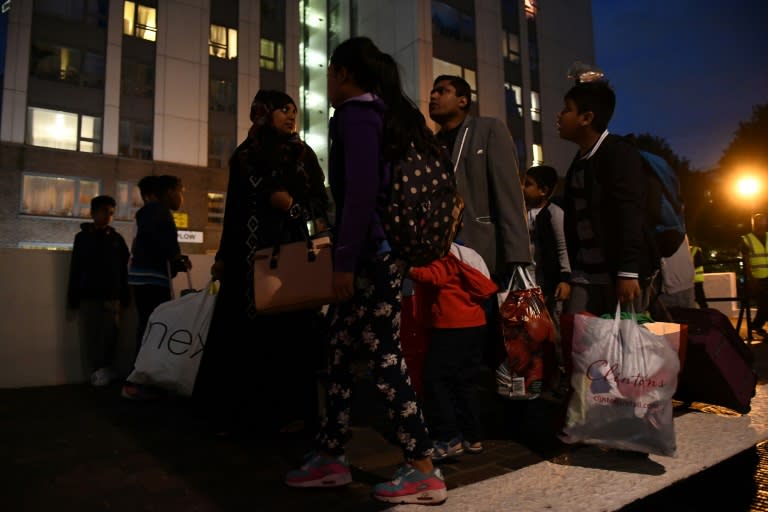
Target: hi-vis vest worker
[[758, 255], [698, 277]]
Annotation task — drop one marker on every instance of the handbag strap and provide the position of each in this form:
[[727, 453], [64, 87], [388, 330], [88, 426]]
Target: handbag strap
[[302, 220]]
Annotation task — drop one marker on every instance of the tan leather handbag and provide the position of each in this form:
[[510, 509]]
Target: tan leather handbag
[[293, 276]]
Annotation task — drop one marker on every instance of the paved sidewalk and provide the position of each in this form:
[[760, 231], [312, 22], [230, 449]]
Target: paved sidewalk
[[82, 449]]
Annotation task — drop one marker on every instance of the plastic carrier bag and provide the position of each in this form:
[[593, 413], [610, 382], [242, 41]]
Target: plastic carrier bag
[[623, 379]]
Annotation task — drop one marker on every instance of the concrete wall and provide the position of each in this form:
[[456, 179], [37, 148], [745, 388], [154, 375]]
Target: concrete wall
[[40, 344]]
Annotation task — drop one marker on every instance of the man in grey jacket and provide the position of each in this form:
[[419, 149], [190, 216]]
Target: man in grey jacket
[[486, 169], [485, 164]]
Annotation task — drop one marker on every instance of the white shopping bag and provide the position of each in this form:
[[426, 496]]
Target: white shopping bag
[[173, 342], [624, 377]]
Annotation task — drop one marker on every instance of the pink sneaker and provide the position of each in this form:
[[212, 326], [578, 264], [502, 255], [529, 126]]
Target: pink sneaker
[[412, 486], [320, 471]]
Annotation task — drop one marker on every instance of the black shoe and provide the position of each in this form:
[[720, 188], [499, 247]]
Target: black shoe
[[761, 332]]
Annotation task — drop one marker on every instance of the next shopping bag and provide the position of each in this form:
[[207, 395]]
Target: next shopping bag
[[173, 342]]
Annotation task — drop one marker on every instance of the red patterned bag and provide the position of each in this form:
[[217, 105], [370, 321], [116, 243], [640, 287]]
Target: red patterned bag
[[526, 326]]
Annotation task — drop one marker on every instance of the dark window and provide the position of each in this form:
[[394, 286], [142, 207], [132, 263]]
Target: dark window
[[449, 22], [135, 139], [273, 19], [220, 147], [138, 79], [64, 64], [90, 11], [509, 15], [222, 96]]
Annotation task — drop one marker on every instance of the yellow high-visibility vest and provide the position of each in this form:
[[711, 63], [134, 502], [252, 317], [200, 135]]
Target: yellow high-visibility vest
[[698, 277], [758, 255]]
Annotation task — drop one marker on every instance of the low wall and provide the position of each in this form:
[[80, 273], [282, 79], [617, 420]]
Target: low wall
[[39, 339]]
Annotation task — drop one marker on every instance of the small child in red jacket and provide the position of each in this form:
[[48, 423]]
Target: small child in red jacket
[[453, 289]]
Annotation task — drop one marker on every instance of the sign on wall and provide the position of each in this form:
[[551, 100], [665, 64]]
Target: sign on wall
[[181, 219], [190, 237]]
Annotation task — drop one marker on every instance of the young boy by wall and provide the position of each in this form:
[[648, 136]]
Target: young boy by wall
[[98, 288]]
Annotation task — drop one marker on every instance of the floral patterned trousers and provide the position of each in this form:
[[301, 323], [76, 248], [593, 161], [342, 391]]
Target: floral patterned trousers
[[370, 322]]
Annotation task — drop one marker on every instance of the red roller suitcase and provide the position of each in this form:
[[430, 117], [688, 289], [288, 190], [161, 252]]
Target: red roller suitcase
[[718, 365]]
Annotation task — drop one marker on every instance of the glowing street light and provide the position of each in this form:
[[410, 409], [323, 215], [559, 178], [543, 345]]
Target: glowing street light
[[748, 187]]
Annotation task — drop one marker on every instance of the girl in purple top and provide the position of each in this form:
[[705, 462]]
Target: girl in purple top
[[373, 124]]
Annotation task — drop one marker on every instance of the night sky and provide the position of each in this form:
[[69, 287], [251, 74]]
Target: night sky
[[685, 70]]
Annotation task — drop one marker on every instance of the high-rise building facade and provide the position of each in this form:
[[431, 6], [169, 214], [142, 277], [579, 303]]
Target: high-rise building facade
[[98, 93]]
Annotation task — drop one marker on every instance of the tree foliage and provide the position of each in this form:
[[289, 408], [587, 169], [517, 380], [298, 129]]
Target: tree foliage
[[750, 142], [659, 146]]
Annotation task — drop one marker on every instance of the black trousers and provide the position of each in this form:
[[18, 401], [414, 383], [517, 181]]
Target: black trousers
[[759, 291], [451, 371], [701, 298], [147, 297]]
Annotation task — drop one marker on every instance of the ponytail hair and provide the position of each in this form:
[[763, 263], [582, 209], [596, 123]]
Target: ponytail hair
[[377, 72]]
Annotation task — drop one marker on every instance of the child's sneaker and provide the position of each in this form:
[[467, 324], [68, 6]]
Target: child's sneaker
[[412, 486], [473, 448], [320, 471], [446, 449], [102, 377]]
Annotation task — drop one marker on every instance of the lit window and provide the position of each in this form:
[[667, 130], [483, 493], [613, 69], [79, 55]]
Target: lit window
[[535, 106], [63, 130], [441, 67], [510, 46], [271, 56], [128, 200], [530, 9], [45, 246], [222, 42], [215, 208], [538, 155], [140, 21], [57, 196]]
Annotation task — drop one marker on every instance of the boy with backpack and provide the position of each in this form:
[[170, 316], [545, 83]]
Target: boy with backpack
[[608, 233], [98, 287]]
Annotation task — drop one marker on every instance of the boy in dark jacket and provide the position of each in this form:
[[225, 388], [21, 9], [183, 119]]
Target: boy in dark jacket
[[98, 287], [610, 244], [155, 256]]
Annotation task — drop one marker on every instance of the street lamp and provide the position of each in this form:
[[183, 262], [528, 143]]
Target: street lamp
[[748, 187]]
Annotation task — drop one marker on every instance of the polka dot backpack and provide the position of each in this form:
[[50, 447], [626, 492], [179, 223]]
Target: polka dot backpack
[[424, 211]]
